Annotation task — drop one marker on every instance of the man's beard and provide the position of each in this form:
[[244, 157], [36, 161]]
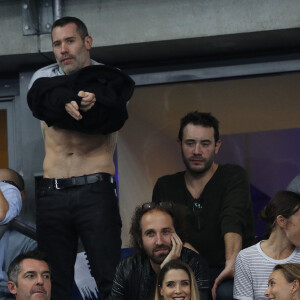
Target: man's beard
[[158, 259], [68, 68], [196, 170]]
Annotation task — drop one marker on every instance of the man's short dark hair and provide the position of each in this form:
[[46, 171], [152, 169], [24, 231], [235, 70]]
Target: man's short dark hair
[[177, 214], [14, 267], [199, 118], [81, 27]]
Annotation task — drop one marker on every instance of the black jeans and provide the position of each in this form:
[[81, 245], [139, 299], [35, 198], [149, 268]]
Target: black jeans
[[90, 212]]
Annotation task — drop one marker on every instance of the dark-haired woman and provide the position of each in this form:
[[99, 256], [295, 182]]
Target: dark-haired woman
[[254, 264]]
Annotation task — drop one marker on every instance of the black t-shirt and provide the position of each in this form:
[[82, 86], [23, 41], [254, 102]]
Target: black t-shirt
[[224, 206]]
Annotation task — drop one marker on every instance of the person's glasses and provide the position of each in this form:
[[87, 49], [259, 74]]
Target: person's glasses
[[150, 205], [11, 182]]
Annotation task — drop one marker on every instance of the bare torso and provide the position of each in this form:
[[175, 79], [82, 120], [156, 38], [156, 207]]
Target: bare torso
[[70, 153]]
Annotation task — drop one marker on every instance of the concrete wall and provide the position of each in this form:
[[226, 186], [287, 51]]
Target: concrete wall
[[119, 22], [127, 31]]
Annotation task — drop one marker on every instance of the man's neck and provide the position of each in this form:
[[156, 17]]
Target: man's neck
[[195, 183]]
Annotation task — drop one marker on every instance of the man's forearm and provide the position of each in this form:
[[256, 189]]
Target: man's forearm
[[233, 245], [4, 206]]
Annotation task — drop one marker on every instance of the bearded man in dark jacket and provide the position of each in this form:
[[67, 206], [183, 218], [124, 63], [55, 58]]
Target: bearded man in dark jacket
[[155, 235]]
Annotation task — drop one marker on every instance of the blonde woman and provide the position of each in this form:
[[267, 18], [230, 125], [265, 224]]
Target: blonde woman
[[283, 283], [176, 281]]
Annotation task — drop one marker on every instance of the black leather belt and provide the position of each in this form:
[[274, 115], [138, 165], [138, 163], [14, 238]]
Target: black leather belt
[[63, 183]]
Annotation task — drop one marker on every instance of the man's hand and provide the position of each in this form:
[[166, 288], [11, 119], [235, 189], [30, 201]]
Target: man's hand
[[233, 245], [88, 100], [175, 251], [72, 109], [228, 272], [189, 246]]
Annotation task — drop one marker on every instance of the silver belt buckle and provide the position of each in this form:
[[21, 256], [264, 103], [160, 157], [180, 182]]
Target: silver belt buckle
[[56, 184]]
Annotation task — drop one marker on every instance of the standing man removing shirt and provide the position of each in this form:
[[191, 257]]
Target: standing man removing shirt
[[82, 104]]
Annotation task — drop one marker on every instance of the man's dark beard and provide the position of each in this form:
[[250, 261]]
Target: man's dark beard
[[206, 167], [158, 259]]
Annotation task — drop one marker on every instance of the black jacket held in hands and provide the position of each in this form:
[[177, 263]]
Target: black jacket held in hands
[[112, 88]]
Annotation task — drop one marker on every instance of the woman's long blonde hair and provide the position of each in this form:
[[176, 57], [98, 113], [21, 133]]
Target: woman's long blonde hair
[[176, 264]]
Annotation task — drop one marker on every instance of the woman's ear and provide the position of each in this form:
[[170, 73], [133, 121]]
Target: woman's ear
[[281, 221], [295, 286]]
